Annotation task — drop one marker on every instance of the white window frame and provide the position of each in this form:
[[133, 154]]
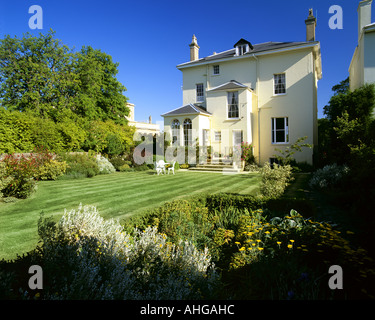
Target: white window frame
[[175, 128], [217, 136], [274, 130], [276, 75], [206, 137], [188, 132], [229, 105], [216, 70], [199, 90], [241, 49]]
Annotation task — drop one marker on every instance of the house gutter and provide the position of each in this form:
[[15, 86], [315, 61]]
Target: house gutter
[[257, 93]]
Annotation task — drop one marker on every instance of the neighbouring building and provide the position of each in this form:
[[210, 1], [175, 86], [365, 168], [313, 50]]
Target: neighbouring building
[[264, 94], [362, 66], [142, 127]]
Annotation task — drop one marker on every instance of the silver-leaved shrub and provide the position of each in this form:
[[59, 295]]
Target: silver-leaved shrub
[[328, 176], [88, 257], [104, 165]]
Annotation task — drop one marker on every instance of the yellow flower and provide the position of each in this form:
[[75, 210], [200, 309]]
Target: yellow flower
[[237, 242], [258, 240], [242, 249], [291, 241], [260, 249], [290, 246], [278, 242]]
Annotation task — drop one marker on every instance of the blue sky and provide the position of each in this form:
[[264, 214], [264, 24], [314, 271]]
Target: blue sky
[[149, 38]]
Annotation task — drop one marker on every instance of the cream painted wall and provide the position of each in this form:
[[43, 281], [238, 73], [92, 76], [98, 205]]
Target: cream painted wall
[[357, 67], [257, 107], [362, 66], [199, 123], [298, 104], [369, 57]]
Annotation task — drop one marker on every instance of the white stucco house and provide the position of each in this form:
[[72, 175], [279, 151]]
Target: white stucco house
[[264, 94], [141, 126], [362, 66]]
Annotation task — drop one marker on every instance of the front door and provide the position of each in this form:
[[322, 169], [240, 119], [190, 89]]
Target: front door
[[237, 140]]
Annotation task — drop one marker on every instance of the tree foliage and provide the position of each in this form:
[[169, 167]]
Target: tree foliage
[[347, 133], [41, 75]]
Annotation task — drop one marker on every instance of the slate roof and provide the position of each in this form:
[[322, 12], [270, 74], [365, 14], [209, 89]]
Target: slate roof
[[233, 84], [187, 109], [257, 48], [243, 41]]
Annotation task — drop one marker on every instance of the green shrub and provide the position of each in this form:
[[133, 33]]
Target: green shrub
[[5, 180], [108, 137], [118, 161], [247, 153], [329, 176], [275, 180], [80, 165], [223, 201], [125, 168], [101, 261], [15, 131], [301, 251], [142, 167], [51, 170], [22, 171]]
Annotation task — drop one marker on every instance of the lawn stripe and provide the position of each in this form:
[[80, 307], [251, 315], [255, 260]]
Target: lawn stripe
[[118, 195]]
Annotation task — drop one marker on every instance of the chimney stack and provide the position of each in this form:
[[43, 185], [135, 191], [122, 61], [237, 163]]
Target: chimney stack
[[310, 26], [194, 49], [364, 15]]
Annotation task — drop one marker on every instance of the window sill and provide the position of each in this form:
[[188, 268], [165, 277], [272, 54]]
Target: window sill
[[279, 95], [232, 119], [280, 143]]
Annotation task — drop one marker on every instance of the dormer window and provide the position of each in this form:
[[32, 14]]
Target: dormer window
[[243, 46], [242, 49]]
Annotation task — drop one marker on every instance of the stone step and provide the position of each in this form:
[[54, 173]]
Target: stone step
[[214, 166], [229, 169], [221, 161]]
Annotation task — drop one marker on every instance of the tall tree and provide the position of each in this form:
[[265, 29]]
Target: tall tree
[[350, 124], [35, 74], [41, 75], [100, 93]]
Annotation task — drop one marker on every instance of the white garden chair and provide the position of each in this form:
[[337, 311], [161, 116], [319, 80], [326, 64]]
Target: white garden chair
[[160, 167], [172, 167]]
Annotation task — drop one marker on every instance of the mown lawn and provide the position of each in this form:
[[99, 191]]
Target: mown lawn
[[117, 195]]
